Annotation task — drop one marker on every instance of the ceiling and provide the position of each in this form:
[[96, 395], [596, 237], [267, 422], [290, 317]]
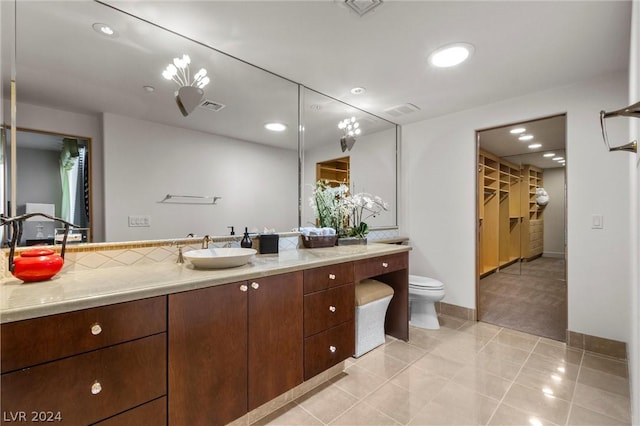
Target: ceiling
[[520, 46]]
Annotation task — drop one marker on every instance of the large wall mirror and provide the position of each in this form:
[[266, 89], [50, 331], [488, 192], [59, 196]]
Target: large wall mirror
[[157, 173], [522, 226], [367, 164]]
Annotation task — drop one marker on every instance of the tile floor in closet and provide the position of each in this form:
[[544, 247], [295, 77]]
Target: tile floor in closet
[[468, 373]]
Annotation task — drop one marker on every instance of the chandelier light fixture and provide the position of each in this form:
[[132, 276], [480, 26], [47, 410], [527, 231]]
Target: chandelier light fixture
[[190, 90], [351, 129]]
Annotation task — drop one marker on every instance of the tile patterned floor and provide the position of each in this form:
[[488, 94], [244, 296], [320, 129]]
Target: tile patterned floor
[[468, 373]]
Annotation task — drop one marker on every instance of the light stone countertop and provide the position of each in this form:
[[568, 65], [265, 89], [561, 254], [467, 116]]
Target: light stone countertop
[[74, 290]]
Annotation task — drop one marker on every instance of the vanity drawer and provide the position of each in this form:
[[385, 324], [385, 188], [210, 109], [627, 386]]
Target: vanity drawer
[[92, 386], [328, 308], [152, 413], [381, 265], [327, 276], [38, 340], [326, 349]]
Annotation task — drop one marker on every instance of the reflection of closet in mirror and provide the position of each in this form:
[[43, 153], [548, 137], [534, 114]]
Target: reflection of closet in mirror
[[521, 240], [335, 171], [53, 177]]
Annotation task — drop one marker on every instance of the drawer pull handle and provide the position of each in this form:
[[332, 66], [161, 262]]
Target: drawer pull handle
[[96, 388], [332, 276], [332, 349], [255, 285], [385, 265], [244, 288], [96, 329], [332, 308]]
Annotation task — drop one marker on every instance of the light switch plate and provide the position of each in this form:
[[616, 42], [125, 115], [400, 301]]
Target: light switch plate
[[597, 221], [139, 221]]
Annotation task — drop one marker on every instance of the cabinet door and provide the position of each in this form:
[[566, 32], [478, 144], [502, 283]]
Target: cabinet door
[[208, 355], [275, 336]]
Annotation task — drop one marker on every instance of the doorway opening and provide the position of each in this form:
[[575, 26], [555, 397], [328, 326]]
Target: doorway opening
[[521, 227]]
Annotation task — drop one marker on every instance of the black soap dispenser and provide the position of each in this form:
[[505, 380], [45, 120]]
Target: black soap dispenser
[[246, 240]]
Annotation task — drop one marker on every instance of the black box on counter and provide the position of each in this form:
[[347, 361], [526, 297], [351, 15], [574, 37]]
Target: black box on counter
[[269, 243]]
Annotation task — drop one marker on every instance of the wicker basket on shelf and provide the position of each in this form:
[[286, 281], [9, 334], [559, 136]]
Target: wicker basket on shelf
[[317, 241]]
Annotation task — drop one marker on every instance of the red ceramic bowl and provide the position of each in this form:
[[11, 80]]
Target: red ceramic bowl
[[37, 265]]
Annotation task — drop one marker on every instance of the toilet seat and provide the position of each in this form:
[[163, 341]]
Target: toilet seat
[[424, 283]]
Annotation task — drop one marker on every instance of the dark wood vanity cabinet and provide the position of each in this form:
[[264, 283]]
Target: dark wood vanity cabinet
[[233, 347], [393, 270], [329, 309], [85, 366]]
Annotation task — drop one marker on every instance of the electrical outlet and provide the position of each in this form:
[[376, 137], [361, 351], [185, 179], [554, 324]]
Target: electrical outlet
[[139, 221]]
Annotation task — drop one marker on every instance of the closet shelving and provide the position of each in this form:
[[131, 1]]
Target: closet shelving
[[336, 171], [510, 222]]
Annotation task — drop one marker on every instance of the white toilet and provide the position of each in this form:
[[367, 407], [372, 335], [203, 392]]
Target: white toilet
[[424, 292]]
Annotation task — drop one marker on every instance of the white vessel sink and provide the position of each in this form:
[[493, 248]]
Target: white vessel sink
[[218, 258]]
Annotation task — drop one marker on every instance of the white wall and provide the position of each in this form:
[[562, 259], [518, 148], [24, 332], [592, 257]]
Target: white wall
[[439, 197], [86, 126], [144, 161], [554, 229]]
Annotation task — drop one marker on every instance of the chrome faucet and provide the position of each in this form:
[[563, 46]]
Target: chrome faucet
[[205, 241]]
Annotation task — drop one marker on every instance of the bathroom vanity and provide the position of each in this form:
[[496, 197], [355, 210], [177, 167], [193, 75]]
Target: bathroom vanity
[[167, 344]]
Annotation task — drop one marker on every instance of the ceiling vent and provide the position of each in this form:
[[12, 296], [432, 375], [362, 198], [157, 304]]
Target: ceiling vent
[[404, 109], [361, 7], [213, 106]]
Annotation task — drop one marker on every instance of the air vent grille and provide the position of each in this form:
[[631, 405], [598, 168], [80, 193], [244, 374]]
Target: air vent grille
[[212, 105], [404, 109]]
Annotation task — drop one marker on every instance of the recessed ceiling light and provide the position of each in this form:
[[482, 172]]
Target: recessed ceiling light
[[549, 154], [557, 158], [517, 130], [358, 90], [149, 89], [535, 145], [275, 127], [104, 29], [451, 55], [525, 137]]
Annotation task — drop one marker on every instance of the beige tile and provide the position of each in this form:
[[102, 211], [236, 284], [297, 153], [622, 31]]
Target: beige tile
[[583, 417], [420, 383], [537, 403], [553, 366], [403, 351], [482, 382], [551, 384], [364, 414], [605, 381], [448, 321], [421, 339], [438, 365], [559, 352], [500, 367], [602, 402], [358, 381], [480, 329], [507, 415], [396, 402], [326, 402], [290, 414], [457, 405], [380, 364], [605, 364], [517, 339], [505, 352]]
